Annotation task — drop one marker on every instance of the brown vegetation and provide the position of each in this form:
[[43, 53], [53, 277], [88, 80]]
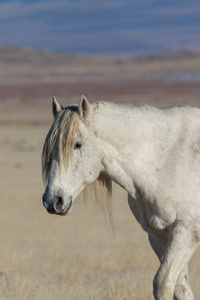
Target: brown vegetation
[[75, 257]]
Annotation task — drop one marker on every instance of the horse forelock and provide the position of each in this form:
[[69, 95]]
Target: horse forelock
[[61, 136]]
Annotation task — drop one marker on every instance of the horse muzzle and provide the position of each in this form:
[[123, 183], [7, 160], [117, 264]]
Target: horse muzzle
[[57, 205]]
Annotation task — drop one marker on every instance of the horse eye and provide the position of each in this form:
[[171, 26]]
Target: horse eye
[[77, 145]]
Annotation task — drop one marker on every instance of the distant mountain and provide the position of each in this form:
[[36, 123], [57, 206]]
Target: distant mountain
[[32, 77], [23, 64], [103, 27]]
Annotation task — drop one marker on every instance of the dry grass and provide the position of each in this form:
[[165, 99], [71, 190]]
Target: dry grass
[[74, 257]]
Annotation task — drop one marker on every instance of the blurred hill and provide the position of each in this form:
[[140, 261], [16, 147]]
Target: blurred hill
[[31, 78]]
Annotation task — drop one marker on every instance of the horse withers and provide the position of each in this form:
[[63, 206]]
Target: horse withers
[[154, 154]]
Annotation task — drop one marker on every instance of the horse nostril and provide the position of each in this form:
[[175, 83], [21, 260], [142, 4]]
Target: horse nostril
[[59, 203]]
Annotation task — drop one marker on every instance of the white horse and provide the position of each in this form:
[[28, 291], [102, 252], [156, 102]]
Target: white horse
[[154, 154]]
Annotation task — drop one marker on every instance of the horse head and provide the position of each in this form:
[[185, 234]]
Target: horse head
[[71, 158]]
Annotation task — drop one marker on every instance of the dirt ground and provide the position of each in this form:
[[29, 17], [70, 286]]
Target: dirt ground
[[76, 257]]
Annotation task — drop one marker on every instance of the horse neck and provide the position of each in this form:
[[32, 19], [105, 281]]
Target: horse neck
[[122, 135]]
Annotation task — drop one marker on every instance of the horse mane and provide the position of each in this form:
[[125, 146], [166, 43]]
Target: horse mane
[[101, 194], [62, 135]]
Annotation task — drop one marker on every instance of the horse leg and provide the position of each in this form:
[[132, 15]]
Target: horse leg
[[159, 245], [169, 277], [182, 288]]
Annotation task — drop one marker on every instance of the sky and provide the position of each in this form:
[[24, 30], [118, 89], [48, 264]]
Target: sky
[[103, 27]]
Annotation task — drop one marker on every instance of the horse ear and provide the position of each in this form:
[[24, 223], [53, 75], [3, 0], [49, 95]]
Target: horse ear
[[56, 107], [84, 107]]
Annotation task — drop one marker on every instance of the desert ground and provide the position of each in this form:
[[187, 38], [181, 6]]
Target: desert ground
[[76, 257]]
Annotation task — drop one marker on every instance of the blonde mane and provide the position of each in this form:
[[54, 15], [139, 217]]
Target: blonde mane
[[62, 136]]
